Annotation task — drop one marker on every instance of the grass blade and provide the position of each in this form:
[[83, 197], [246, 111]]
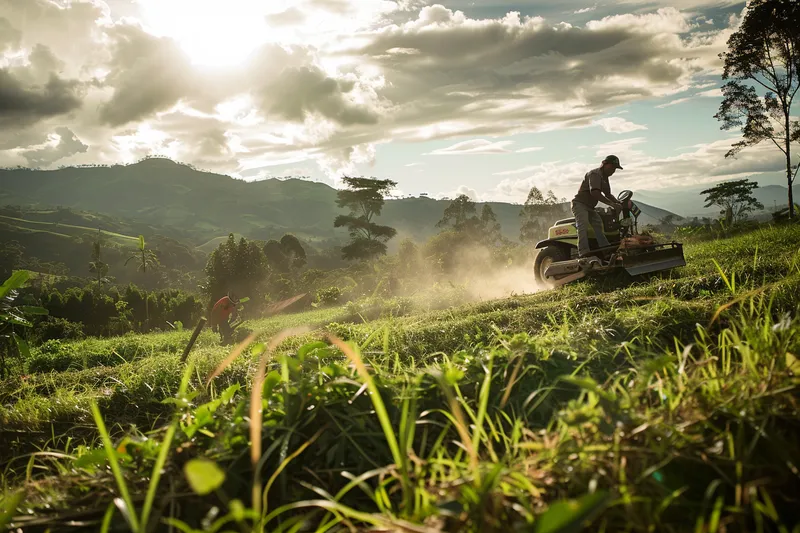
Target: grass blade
[[112, 459]]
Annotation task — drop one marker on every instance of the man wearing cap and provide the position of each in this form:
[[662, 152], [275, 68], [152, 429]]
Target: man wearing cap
[[594, 188]]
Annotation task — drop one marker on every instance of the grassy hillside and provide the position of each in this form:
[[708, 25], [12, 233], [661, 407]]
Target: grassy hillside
[[668, 404], [58, 238], [205, 206], [65, 230]]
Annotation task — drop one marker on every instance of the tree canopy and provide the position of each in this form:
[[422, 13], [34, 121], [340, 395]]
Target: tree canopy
[[735, 198], [364, 197], [762, 65], [538, 214]]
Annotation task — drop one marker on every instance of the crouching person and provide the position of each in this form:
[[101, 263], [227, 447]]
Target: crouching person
[[223, 314]]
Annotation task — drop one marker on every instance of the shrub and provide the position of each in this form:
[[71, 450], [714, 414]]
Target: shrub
[[58, 328], [329, 296]]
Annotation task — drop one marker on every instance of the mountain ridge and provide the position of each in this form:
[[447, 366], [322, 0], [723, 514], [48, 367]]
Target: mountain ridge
[[202, 206]]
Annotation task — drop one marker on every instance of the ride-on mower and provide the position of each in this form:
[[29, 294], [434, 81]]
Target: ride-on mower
[[557, 262]]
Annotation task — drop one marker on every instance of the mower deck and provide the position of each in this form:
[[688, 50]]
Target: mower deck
[[635, 261]]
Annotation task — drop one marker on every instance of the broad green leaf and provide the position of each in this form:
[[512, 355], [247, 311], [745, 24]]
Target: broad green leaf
[[571, 516], [22, 346], [227, 394], [8, 506], [306, 349], [793, 363], [453, 375], [33, 310], [270, 382], [16, 281], [141, 242], [204, 476], [91, 459], [244, 300], [16, 320]]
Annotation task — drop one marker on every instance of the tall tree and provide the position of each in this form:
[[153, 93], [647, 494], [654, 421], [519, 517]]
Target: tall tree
[[491, 234], [735, 198], [764, 57], [285, 255], [145, 259], [96, 265], [236, 267], [364, 197], [537, 214], [461, 217]]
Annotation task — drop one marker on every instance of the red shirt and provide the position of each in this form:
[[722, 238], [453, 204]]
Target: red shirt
[[222, 310]]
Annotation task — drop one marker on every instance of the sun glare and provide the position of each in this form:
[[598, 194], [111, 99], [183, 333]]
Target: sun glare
[[212, 32]]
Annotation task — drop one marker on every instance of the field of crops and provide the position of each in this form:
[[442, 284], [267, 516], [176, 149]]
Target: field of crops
[[669, 404]]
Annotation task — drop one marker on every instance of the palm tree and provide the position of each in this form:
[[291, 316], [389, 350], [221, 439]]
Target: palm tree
[[146, 259], [96, 265]]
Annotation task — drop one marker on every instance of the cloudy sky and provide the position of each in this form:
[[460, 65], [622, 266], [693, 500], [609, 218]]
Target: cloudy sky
[[486, 97]]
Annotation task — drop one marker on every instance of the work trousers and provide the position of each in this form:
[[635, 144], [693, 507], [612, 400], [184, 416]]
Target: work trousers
[[584, 217]]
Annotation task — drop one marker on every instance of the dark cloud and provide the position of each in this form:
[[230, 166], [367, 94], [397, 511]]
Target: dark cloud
[[68, 145], [296, 92], [148, 74], [22, 104]]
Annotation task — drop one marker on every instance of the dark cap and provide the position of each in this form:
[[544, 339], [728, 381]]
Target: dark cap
[[614, 160]]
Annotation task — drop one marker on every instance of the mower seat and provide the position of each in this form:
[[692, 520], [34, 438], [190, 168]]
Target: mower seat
[[565, 221]]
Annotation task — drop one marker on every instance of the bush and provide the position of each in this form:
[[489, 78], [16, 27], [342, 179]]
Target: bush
[[59, 328], [329, 296]]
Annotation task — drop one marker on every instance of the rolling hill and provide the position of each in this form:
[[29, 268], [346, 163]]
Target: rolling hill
[[198, 207], [689, 202]]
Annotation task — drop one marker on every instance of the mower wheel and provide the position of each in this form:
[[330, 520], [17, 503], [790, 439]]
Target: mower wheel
[[544, 258]]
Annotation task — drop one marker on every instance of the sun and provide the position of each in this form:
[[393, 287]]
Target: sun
[[215, 33]]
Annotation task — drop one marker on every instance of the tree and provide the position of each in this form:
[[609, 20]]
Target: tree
[[146, 259], [764, 56], [286, 255], [236, 267], [96, 265], [460, 215], [537, 214], [735, 198], [364, 197], [11, 258], [490, 226], [461, 218]]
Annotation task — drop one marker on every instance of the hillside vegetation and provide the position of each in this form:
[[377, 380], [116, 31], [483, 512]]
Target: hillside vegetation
[[669, 404], [206, 206]]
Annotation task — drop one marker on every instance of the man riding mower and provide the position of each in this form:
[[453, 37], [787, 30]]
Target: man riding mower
[[567, 254]]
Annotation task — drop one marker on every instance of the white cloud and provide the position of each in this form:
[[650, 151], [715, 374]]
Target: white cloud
[[712, 93], [471, 193], [674, 102], [584, 10], [618, 125], [331, 80], [529, 149], [475, 146], [701, 164]]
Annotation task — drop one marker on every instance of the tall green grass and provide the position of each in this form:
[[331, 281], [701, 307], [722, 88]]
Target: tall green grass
[[663, 405]]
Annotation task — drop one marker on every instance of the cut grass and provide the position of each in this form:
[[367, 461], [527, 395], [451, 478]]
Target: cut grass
[[668, 404]]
